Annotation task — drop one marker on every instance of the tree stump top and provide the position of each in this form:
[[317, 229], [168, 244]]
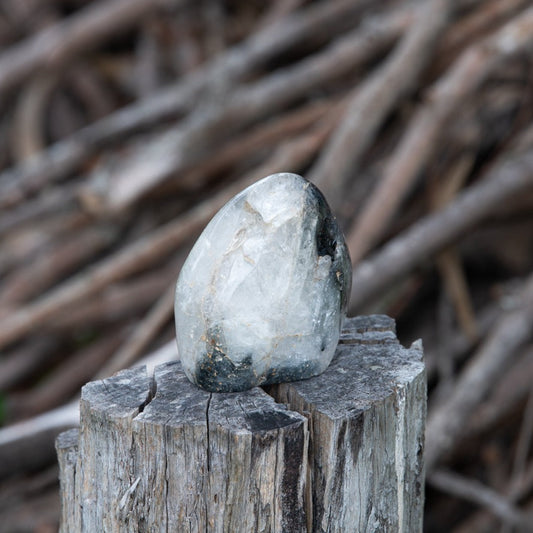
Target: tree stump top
[[339, 452], [368, 366]]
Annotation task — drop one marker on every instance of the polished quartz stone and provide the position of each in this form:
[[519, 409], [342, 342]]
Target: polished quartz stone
[[262, 296]]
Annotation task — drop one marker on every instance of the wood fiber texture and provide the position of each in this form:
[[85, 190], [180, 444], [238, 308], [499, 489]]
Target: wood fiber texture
[[339, 452]]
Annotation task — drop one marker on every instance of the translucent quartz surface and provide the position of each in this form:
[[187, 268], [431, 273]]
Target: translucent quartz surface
[[263, 293]]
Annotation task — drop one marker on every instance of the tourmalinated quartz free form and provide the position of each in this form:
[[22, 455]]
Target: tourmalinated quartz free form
[[263, 293]]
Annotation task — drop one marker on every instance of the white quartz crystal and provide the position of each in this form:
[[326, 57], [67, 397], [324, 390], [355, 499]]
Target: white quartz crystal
[[263, 293]]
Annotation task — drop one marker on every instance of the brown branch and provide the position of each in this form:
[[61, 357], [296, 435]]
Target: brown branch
[[278, 11], [298, 152], [20, 246], [520, 487], [259, 138], [508, 394], [510, 178], [124, 262], [339, 161], [524, 443], [60, 159], [446, 423], [27, 137], [449, 265], [420, 142], [55, 264], [26, 361], [144, 332], [483, 520], [53, 47], [56, 199], [65, 381], [118, 302], [488, 16], [448, 261], [475, 492], [457, 344], [30, 444], [153, 161], [90, 89]]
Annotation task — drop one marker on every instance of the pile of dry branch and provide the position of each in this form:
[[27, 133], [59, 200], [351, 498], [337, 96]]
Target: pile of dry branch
[[126, 124]]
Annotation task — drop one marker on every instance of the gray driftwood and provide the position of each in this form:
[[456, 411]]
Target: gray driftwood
[[341, 452]]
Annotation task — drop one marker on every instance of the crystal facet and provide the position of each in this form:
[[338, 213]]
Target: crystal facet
[[262, 296]]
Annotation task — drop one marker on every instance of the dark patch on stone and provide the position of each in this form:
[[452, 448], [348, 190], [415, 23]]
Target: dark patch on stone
[[330, 241], [342, 272], [285, 374], [326, 238], [216, 372], [327, 230]]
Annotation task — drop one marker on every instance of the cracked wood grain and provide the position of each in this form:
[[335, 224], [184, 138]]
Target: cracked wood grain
[[339, 452]]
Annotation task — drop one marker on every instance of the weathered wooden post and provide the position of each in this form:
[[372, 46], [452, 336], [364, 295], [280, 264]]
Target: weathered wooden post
[[341, 452]]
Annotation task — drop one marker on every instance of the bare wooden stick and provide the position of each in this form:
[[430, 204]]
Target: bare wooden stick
[[27, 137], [506, 180], [458, 344], [58, 199], [55, 264], [481, 521], [509, 393], [445, 98], [259, 138], [144, 332], [278, 11], [524, 443], [446, 423], [91, 90], [25, 361], [22, 246], [448, 261], [475, 492], [127, 261], [64, 383], [340, 160], [29, 445], [521, 486], [54, 46], [63, 157], [151, 162], [121, 301], [449, 264], [487, 16]]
